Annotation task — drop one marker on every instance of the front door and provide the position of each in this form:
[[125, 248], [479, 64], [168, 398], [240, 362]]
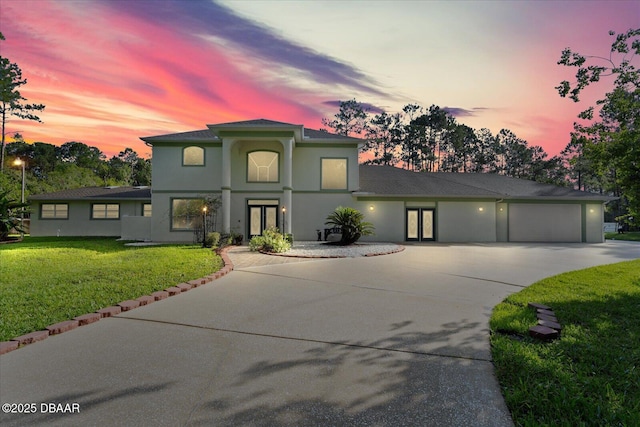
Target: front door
[[420, 224], [261, 217]]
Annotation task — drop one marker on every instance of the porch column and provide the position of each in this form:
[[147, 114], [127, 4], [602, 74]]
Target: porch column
[[226, 185], [287, 182]]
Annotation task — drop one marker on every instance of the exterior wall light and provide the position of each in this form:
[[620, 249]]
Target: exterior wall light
[[480, 209], [371, 208], [204, 226]]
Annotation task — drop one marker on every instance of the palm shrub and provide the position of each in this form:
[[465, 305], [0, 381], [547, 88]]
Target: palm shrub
[[271, 240], [9, 218], [351, 222]]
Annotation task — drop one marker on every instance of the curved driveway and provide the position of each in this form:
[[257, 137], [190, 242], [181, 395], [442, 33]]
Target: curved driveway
[[400, 339]]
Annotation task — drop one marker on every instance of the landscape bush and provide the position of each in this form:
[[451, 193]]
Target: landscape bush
[[271, 240]]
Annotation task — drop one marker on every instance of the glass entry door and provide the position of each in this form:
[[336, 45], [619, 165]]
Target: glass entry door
[[262, 214], [420, 224]]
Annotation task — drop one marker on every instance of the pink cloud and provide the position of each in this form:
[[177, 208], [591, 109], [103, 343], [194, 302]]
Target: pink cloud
[[107, 90]]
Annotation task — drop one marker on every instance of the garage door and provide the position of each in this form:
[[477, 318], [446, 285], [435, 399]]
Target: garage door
[[545, 223]]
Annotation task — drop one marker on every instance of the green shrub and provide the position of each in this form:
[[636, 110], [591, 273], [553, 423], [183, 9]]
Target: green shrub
[[256, 243], [236, 238], [225, 240], [212, 240], [270, 241]]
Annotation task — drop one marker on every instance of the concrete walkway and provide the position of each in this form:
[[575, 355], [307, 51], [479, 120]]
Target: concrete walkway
[[393, 340]]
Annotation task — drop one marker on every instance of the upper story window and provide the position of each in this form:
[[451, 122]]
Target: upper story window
[[54, 211], [105, 211], [262, 166], [334, 174], [193, 156]]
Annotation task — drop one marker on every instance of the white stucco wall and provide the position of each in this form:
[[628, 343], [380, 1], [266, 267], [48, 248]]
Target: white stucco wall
[[473, 221]]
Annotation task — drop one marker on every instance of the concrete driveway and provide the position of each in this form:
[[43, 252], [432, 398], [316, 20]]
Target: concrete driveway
[[400, 339]]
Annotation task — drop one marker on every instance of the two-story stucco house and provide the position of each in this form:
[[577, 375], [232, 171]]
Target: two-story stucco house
[[269, 173]]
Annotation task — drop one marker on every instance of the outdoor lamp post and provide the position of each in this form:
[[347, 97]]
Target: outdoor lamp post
[[204, 226], [19, 162], [284, 211]]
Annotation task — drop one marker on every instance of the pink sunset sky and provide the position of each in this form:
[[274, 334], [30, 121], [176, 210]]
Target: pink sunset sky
[[112, 71]]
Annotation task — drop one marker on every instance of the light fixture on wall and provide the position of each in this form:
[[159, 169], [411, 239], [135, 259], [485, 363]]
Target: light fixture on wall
[[480, 209], [371, 208], [591, 210]]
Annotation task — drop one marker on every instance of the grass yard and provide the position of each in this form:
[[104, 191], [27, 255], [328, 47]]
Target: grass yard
[[48, 280], [629, 235], [590, 376]]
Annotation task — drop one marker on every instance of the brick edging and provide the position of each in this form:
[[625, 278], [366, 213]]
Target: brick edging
[[86, 319]]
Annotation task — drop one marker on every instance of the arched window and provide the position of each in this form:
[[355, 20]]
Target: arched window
[[193, 156], [262, 166]]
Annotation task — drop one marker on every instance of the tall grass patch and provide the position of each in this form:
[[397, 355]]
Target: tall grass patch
[[48, 280], [591, 374]]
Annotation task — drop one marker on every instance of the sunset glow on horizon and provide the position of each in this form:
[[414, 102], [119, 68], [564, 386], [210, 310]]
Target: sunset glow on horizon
[[110, 72]]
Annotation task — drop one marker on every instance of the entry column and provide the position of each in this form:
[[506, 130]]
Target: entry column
[[226, 184], [287, 187]]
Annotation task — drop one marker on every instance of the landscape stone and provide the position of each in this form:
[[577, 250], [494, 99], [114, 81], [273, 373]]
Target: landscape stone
[[543, 332], [7, 346], [61, 327]]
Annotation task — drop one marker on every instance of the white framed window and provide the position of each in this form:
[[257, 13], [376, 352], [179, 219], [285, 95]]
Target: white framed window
[[105, 211], [263, 166], [193, 156], [333, 173], [54, 211]]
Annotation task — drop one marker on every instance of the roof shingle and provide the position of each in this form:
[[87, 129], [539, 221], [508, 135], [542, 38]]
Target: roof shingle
[[392, 181], [97, 193]]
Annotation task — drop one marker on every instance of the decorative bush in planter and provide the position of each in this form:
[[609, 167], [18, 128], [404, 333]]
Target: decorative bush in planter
[[351, 222]]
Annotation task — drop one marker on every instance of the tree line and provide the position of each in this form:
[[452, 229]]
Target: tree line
[[74, 164], [601, 156], [431, 140]]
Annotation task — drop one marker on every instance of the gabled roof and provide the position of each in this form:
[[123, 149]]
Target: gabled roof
[[390, 181], [97, 193]]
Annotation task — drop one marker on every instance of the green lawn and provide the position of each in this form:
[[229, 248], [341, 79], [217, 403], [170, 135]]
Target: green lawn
[[591, 375], [629, 235], [48, 280]]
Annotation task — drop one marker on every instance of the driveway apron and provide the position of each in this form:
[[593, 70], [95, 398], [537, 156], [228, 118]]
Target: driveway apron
[[399, 339]]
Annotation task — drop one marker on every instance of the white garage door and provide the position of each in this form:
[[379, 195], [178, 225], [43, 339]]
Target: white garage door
[[545, 223]]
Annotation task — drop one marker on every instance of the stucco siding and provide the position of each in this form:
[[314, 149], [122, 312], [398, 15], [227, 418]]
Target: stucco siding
[[466, 221], [594, 223], [79, 222], [169, 174], [307, 166], [531, 222]]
